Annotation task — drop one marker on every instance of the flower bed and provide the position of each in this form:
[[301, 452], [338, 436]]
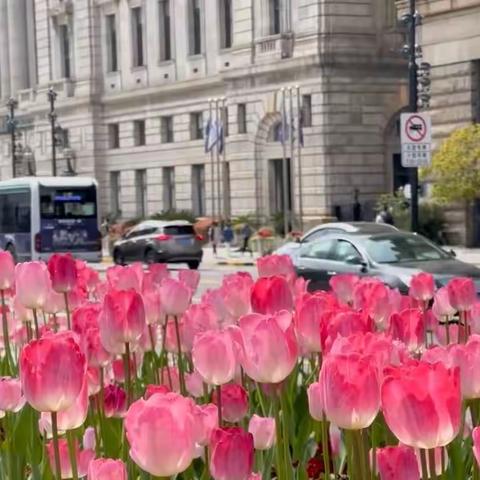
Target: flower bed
[[126, 377]]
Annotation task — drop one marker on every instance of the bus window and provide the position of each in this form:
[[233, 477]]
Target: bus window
[[15, 213], [75, 203]]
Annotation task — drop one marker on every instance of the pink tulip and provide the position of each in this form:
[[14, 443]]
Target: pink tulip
[[397, 463], [40, 362], [476, 444], [263, 431], [364, 290], [194, 384], [125, 278], [175, 296], [350, 391], [276, 265], [215, 298], [208, 348], [7, 270], [122, 320], [63, 272], [308, 320], [409, 327], [198, 319], [379, 305], [422, 404], [55, 303], [441, 305], [268, 346], [343, 286], [422, 287], [107, 469], [158, 272], [115, 401], [84, 457], [153, 307], [474, 318], [87, 278], [231, 454], [234, 402], [205, 422], [89, 441], [11, 397], [315, 401], [462, 294], [271, 295], [236, 291], [153, 389], [160, 432], [335, 435], [191, 278], [345, 324], [32, 284]]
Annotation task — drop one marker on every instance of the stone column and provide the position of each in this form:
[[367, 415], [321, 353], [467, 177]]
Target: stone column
[[17, 44], [4, 54]]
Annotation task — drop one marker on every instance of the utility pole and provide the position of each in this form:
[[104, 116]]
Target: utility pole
[[413, 103], [286, 213], [12, 105], [52, 96]]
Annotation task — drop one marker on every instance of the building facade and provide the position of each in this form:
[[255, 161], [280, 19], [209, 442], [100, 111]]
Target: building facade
[[135, 77]]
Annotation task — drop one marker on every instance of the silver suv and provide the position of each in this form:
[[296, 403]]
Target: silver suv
[[160, 242]]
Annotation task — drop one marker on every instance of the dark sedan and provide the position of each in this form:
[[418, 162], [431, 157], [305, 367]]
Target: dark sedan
[[392, 257]]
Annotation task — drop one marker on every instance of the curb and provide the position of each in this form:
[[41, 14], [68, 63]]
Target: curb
[[236, 263]]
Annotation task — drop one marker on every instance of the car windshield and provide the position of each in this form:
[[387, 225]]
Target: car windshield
[[402, 249]]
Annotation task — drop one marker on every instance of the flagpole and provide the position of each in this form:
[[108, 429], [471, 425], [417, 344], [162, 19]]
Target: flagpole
[[226, 189], [292, 157], [212, 156], [219, 186], [284, 165], [299, 158]]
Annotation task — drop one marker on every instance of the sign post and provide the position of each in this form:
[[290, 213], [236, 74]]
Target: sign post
[[416, 136]]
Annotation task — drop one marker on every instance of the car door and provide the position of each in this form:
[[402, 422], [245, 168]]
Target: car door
[[346, 259], [129, 246], [312, 262]]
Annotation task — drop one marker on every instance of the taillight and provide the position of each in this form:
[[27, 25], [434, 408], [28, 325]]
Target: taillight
[[199, 237], [163, 237], [38, 242]]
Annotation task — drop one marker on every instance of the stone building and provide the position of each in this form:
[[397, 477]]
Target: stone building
[[134, 79]]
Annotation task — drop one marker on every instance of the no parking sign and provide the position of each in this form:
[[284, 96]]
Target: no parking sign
[[416, 136]]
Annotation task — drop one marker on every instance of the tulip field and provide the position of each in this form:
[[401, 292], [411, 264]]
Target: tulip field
[[126, 377]]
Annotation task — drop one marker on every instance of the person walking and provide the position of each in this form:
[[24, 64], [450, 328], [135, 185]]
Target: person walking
[[246, 234], [214, 236], [385, 216], [228, 236]]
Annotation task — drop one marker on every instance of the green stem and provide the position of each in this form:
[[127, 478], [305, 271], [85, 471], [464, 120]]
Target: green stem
[[58, 468], [126, 368], [431, 462], [67, 309], [55, 322], [6, 336], [35, 321], [154, 355], [351, 467], [72, 454], [286, 435], [279, 464], [10, 422], [476, 472], [423, 461], [447, 329], [219, 405], [261, 400], [360, 454], [181, 373], [326, 447]]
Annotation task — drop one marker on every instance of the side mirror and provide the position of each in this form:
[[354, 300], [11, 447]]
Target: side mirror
[[364, 266], [452, 253]]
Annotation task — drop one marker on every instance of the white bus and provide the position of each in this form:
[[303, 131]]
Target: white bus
[[43, 215]]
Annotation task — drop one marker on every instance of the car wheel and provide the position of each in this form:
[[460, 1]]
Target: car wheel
[[151, 257], [10, 248], [118, 257], [193, 265]]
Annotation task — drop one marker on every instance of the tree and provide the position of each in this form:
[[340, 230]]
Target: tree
[[455, 169]]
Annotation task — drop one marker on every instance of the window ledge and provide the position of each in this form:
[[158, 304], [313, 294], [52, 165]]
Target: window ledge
[[196, 56], [139, 68]]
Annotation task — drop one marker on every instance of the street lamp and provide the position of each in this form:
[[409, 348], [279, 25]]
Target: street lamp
[[52, 96], [12, 105]]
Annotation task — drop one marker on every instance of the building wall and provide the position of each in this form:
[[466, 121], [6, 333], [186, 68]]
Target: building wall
[[341, 53]]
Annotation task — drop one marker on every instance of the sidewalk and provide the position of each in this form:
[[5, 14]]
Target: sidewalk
[[232, 258]]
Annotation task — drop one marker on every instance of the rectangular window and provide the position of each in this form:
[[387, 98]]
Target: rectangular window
[[64, 36], [64, 138], [196, 126], [115, 194], [198, 190], [137, 36], [166, 126], [226, 24], [242, 118], [141, 192], [15, 212], [139, 133], [112, 53], [275, 17], [168, 189], [307, 110], [195, 20], [165, 30], [113, 135]]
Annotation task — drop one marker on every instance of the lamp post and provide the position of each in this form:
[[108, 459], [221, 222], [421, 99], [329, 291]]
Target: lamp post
[[12, 105], [52, 96]]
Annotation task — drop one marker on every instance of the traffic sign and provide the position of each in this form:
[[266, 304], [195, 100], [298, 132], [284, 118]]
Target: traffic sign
[[416, 136]]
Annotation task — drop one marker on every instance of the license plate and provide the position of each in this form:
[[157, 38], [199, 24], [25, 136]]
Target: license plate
[[185, 242]]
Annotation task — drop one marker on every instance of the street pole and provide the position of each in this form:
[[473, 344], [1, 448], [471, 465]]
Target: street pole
[[292, 156], [12, 105], [284, 164], [219, 180], [212, 156], [52, 96], [299, 158], [413, 106]]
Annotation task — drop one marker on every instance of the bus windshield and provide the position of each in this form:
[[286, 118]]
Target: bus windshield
[[68, 203]]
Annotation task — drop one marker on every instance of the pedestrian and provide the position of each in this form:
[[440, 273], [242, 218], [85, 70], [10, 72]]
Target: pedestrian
[[214, 236], [357, 207], [228, 235], [246, 234], [385, 216]]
